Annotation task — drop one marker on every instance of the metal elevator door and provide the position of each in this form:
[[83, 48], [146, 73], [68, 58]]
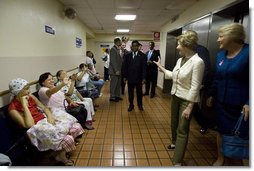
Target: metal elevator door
[[171, 56]]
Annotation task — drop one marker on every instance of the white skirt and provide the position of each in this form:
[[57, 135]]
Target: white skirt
[[46, 136]]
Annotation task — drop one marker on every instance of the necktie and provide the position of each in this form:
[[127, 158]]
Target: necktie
[[149, 55], [134, 54]]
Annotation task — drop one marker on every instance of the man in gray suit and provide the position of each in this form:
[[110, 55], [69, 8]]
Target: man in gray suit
[[115, 66]]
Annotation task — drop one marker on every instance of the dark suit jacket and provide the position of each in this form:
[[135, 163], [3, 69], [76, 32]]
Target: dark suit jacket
[[134, 69], [152, 68]]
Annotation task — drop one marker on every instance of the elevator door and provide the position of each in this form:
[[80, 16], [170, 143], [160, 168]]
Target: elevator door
[[200, 26], [171, 56]]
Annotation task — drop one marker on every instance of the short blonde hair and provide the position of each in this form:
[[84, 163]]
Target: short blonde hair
[[189, 40], [233, 32]]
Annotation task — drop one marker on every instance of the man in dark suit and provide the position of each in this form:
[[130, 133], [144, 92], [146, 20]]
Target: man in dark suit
[[134, 73], [115, 65], [123, 52], [151, 70]]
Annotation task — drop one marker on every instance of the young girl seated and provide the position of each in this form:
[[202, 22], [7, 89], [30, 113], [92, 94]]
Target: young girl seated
[[47, 128], [70, 91]]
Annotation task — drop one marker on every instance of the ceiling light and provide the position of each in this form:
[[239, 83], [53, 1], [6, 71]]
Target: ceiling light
[[125, 17], [123, 30]]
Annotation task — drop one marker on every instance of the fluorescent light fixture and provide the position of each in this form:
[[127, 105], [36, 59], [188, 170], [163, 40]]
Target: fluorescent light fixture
[[125, 17], [123, 30]]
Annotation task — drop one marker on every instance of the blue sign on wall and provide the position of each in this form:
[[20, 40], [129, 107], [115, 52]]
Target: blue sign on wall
[[49, 30], [78, 42]]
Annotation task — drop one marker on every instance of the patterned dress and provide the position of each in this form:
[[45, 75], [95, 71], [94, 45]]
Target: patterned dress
[[46, 136], [88, 102]]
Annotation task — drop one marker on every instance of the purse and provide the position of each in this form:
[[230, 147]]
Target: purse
[[79, 112], [233, 145]]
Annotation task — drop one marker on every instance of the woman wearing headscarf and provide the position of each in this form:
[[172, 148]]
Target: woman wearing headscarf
[[47, 128]]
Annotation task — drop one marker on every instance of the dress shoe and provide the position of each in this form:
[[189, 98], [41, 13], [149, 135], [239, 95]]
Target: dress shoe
[[140, 108], [171, 146], [130, 108], [114, 100], [145, 94], [203, 130], [119, 98]]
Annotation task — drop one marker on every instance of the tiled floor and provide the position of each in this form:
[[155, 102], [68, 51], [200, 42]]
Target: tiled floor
[[139, 138]]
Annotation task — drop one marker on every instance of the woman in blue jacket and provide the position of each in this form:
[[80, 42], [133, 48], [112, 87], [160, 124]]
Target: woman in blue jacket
[[231, 84]]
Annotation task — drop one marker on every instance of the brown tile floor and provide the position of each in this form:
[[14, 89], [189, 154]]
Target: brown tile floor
[[138, 138]]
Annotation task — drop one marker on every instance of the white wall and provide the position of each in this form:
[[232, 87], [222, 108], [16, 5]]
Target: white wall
[[196, 11], [26, 50]]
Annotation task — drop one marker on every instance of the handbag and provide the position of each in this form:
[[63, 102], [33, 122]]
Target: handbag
[[79, 112], [233, 145], [105, 58]]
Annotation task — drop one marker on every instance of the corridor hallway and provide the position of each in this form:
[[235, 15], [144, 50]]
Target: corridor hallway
[[133, 139], [139, 138]]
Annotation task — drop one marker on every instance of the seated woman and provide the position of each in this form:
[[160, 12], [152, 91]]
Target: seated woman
[[70, 91], [51, 96], [84, 84], [47, 129], [95, 78]]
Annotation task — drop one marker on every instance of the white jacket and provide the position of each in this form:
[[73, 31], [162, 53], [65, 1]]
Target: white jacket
[[187, 79]]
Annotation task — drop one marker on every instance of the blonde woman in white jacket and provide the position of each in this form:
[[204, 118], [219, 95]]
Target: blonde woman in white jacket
[[187, 78]]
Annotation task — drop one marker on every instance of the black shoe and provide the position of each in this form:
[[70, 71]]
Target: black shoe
[[171, 146], [203, 130], [130, 108], [145, 94], [119, 98], [140, 108], [152, 96], [114, 100]]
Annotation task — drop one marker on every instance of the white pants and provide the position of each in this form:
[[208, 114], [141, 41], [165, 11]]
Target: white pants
[[88, 103]]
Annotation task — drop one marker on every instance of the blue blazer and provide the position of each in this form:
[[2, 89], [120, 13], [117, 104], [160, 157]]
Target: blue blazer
[[231, 84]]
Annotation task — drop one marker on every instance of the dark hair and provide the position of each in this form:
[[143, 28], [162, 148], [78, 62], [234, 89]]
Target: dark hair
[[58, 74], [43, 77], [87, 52], [135, 41], [83, 65], [117, 40], [152, 43]]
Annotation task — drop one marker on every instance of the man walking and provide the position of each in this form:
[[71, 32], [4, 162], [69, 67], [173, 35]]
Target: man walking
[[134, 73], [115, 66]]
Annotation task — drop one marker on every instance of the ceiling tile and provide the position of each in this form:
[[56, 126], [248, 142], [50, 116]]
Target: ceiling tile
[[151, 14], [128, 4]]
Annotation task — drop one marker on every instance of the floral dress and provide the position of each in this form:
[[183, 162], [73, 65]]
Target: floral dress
[[46, 136]]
